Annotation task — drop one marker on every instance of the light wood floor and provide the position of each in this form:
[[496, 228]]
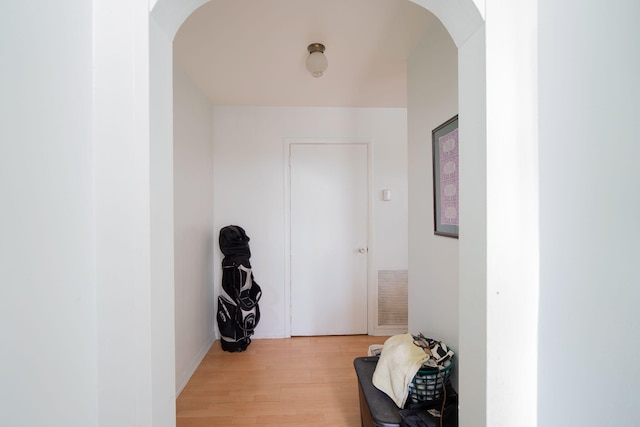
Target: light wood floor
[[301, 381]]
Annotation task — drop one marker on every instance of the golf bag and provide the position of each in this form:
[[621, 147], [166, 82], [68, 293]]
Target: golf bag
[[238, 310]]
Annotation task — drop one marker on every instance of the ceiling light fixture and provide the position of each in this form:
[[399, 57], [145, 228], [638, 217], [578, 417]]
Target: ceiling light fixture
[[316, 61]]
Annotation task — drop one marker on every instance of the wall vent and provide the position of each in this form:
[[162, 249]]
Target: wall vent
[[393, 298]]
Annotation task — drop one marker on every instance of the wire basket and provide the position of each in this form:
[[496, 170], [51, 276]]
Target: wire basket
[[428, 383]]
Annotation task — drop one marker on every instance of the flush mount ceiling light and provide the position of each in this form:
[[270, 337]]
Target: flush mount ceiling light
[[316, 61]]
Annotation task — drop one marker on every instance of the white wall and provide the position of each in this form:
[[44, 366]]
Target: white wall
[[47, 269], [589, 63], [194, 236], [132, 334], [512, 213], [250, 191], [472, 315], [162, 291], [433, 260]]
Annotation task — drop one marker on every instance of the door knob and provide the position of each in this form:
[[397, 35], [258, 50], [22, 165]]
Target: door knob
[[362, 250]]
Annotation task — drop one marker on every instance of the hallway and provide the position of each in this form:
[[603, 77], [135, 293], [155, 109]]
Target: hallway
[[298, 381]]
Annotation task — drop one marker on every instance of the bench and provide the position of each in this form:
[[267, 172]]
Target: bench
[[378, 410]]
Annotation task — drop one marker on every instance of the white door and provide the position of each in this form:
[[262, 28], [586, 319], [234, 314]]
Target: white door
[[329, 233]]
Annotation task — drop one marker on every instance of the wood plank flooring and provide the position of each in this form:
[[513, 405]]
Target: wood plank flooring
[[301, 381]]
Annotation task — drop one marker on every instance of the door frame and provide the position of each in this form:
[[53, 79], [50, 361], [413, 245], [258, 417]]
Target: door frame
[[371, 295]]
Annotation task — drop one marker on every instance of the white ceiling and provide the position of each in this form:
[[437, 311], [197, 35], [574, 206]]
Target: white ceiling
[[252, 52]]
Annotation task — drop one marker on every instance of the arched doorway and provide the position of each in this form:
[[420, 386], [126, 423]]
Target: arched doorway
[[466, 26]]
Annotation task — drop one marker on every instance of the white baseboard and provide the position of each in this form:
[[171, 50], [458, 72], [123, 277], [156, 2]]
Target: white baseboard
[[388, 330], [182, 382]]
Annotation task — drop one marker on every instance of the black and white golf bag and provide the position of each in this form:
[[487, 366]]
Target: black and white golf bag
[[238, 310]]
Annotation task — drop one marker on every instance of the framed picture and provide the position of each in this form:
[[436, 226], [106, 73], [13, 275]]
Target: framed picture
[[446, 198]]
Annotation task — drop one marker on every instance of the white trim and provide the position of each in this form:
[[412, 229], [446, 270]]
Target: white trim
[[390, 330]]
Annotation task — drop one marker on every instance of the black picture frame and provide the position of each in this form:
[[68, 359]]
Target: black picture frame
[[444, 141]]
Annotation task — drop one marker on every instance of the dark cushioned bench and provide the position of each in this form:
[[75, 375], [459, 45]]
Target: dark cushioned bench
[[376, 408]]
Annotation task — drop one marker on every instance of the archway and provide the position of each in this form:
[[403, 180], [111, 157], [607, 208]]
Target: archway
[[466, 27]]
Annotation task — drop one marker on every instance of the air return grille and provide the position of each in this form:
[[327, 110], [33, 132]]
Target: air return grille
[[392, 298]]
